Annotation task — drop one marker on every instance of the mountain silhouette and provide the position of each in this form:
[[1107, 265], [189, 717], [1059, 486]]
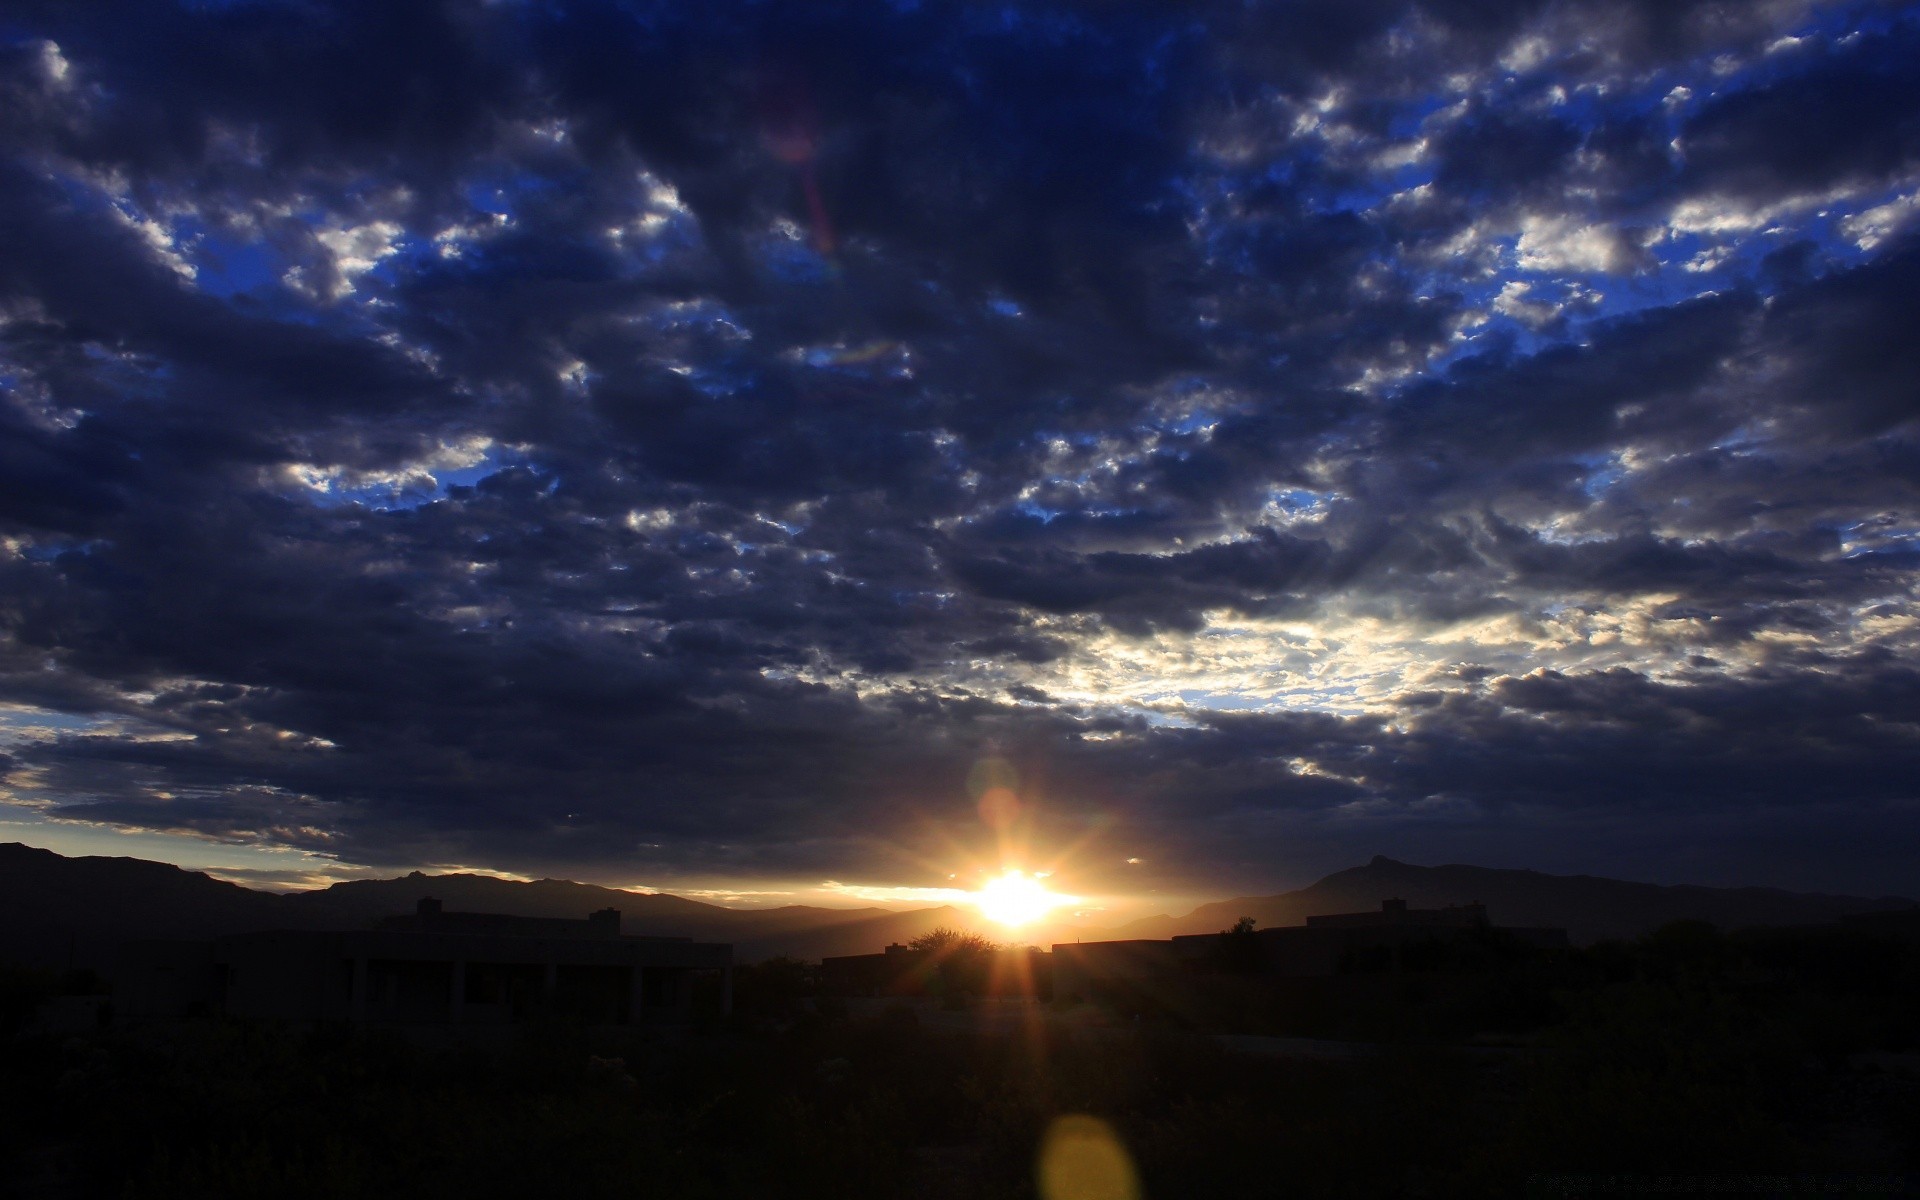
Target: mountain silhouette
[[56, 911], [796, 930], [1588, 907]]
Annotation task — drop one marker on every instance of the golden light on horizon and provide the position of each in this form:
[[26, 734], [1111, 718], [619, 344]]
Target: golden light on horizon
[[1015, 898]]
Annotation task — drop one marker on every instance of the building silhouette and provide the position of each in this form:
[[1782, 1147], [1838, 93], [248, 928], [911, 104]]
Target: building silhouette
[[1012, 972], [1393, 938], [430, 967]]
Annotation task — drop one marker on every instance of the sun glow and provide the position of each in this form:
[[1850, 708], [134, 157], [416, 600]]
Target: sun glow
[[1016, 898]]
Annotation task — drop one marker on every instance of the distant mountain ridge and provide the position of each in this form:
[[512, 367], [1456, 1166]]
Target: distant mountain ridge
[[1589, 907], [56, 910], [799, 930]]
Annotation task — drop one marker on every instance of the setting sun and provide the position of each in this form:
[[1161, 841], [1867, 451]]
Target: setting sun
[[1016, 898]]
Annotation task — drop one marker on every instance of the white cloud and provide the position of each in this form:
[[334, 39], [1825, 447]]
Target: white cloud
[[418, 475], [54, 65], [158, 238], [1560, 243], [1516, 300], [1870, 228], [357, 249]]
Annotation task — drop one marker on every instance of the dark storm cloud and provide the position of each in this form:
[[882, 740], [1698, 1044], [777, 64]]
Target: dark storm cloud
[[683, 438], [1850, 115]]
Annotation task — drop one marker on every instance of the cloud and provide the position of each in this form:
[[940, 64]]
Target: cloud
[[684, 439]]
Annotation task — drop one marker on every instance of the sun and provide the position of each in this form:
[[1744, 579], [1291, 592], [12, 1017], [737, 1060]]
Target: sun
[[1016, 898]]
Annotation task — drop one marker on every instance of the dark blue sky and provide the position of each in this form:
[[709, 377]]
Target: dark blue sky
[[677, 443]]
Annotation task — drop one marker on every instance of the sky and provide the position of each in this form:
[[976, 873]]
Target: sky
[[836, 451]]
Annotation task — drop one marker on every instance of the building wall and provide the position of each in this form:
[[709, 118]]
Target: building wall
[[1134, 972], [409, 977], [1007, 974]]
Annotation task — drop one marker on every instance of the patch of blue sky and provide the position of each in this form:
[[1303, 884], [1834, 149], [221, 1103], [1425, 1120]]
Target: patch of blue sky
[[1298, 500], [19, 726], [227, 266], [703, 314], [1689, 263], [50, 550], [1047, 514], [222, 265], [1159, 56], [1160, 718], [921, 596], [1603, 472], [1224, 701], [86, 196], [1826, 226], [1496, 328], [1824, 27], [1368, 198], [825, 357], [1194, 421], [640, 253], [261, 864], [720, 381], [410, 253], [411, 492], [231, 5], [1409, 119], [504, 195], [1316, 696], [797, 262], [1080, 438], [1859, 539], [1594, 297], [496, 460]]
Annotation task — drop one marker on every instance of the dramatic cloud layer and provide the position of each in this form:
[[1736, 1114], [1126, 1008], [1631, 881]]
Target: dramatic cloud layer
[[681, 441]]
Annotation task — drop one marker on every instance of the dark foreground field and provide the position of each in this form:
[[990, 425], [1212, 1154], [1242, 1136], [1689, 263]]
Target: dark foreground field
[[1695, 1063]]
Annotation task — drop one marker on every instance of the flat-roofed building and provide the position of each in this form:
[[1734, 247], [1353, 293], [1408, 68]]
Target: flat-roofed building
[[1008, 972], [1394, 937], [430, 968], [1138, 974], [1338, 943]]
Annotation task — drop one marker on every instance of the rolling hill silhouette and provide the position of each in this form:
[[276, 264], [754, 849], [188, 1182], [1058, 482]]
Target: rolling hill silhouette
[[1588, 907], [56, 911]]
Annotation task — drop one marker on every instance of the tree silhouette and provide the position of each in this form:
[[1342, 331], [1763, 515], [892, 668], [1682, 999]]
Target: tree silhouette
[[960, 961], [1238, 951], [948, 942]]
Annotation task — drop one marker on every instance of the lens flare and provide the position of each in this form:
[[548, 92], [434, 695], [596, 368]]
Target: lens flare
[[1016, 898], [1082, 1158]]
